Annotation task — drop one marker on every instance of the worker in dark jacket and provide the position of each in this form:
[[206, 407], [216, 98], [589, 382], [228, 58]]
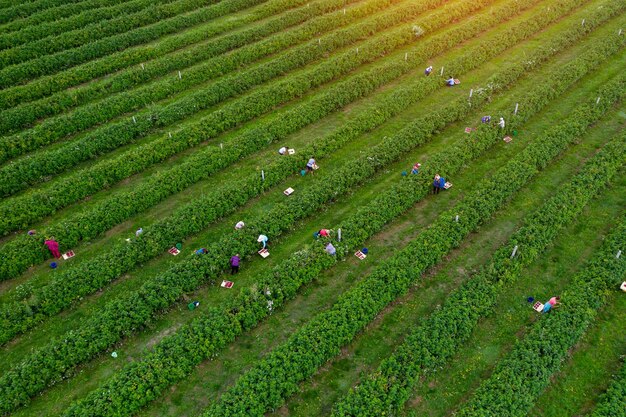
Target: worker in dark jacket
[[234, 264]]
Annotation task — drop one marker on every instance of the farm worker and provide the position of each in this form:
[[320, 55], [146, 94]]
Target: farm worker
[[554, 301], [501, 123], [428, 70], [234, 264], [416, 168], [324, 232], [201, 251], [438, 183], [239, 225], [138, 232], [450, 82], [330, 249], [486, 119], [310, 165], [262, 239], [547, 307], [283, 150], [53, 247]]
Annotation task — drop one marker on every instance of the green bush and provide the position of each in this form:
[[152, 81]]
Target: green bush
[[94, 113], [36, 32], [264, 386], [121, 316], [59, 13], [24, 9], [527, 369], [24, 251], [82, 280], [613, 401], [75, 283], [436, 340], [38, 166], [148, 378], [184, 13], [247, 50], [94, 69]]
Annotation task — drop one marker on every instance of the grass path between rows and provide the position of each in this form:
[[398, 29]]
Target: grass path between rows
[[133, 194], [192, 192], [111, 64], [140, 91], [250, 216], [576, 389], [216, 107], [322, 338], [252, 210], [378, 341]]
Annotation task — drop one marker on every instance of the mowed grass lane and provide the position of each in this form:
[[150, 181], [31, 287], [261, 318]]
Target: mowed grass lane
[[363, 356], [136, 304], [200, 104], [252, 135], [250, 43]]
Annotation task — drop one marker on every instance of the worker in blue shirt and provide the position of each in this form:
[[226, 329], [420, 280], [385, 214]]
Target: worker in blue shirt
[[438, 183]]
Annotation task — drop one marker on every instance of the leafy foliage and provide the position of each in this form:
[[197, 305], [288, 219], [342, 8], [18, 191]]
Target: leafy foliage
[[123, 315], [36, 167], [34, 33], [437, 339], [24, 251], [60, 18], [210, 66], [265, 385], [23, 10], [533, 360], [613, 401], [49, 64], [73, 77], [82, 280]]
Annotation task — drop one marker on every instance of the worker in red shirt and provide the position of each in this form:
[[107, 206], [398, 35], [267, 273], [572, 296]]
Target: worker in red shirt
[[53, 246]]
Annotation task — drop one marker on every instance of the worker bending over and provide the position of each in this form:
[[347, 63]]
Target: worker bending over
[[552, 303], [323, 233], [439, 183], [284, 150], [310, 165], [53, 247]]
